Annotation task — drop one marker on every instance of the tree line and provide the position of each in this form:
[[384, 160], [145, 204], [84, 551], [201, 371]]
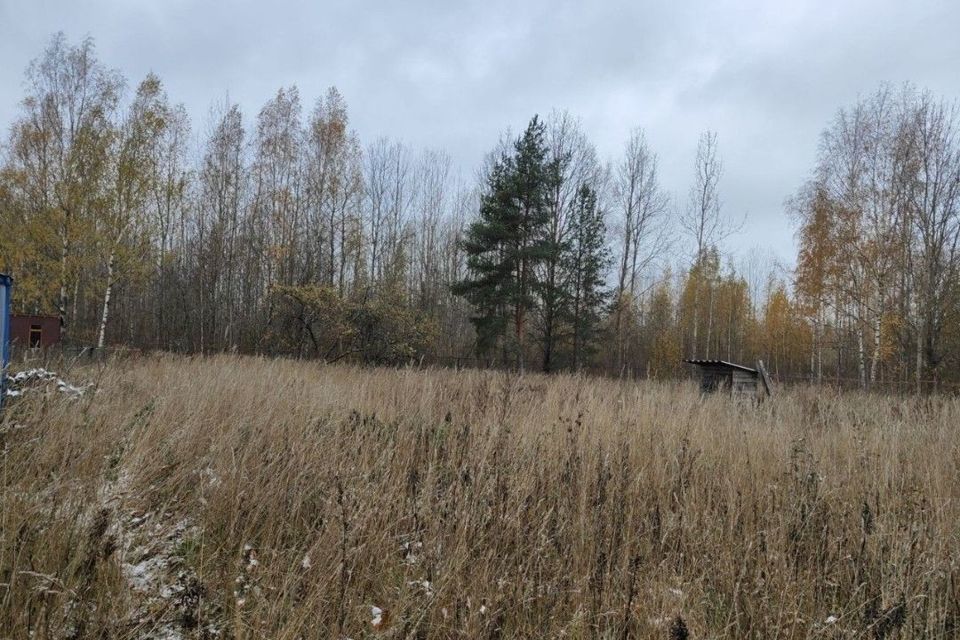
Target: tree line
[[879, 225], [286, 234]]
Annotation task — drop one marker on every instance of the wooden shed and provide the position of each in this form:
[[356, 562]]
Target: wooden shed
[[736, 379], [34, 331]]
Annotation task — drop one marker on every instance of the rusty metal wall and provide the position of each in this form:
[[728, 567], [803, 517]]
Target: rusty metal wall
[[21, 325]]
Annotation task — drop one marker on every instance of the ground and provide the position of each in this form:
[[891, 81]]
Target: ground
[[243, 497]]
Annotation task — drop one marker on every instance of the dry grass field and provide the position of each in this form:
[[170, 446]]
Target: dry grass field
[[248, 498]]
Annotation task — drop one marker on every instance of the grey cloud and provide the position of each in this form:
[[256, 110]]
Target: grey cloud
[[766, 76]]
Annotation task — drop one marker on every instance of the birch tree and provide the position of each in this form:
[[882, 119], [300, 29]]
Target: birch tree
[[60, 146], [642, 205], [123, 219], [934, 196], [705, 224]]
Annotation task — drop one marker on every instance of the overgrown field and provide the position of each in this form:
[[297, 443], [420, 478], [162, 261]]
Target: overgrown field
[[241, 497]]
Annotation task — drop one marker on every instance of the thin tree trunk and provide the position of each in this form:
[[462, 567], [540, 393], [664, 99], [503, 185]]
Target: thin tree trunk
[[696, 302], [74, 300], [620, 301], [101, 338], [64, 253], [919, 363], [877, 341], [819, 347], [861, 358], [696, 317], [709, 322], [813, 353]]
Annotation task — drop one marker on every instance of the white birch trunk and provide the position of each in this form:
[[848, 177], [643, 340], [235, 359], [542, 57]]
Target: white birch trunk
[[101, 338], [919, 372], [877, 341], [861, 358]]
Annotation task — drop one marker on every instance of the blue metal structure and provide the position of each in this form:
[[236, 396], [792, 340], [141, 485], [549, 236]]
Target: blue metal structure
[[6, 293]]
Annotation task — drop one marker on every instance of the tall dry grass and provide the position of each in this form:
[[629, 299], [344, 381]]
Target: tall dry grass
[[241, 497]]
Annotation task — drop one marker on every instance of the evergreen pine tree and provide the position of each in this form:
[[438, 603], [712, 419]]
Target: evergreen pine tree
[[585, 260], [551, 288], [490, 283], [506, 242]]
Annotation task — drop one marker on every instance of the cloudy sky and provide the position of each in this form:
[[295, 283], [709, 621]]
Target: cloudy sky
[[766, 76]]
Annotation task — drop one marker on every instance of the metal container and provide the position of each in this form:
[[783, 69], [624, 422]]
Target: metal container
[[6, 293]]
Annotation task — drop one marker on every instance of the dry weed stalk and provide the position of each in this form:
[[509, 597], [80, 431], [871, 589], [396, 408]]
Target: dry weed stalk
[[475, 505]]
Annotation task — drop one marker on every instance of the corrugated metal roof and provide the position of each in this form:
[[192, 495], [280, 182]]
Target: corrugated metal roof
[[722, 364]]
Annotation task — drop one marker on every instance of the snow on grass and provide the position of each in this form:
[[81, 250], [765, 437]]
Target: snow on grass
[[423, 585], [153, 546], [30, 379]]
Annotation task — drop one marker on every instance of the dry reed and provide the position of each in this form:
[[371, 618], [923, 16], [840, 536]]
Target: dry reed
[[244, 497]]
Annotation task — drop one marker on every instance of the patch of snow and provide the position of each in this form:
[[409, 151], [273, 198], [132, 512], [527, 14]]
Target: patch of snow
[[136, 521], [144, 575], [410, 550], [32, 378], [422, 584], [211, 477], [37, 374]]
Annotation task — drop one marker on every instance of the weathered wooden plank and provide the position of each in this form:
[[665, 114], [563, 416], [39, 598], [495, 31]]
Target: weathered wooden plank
[[764, 378]]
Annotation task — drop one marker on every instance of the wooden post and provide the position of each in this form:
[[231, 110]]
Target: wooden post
[[765, 379]]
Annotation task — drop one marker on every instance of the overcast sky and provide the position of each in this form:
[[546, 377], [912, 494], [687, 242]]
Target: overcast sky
[[766, 76]]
